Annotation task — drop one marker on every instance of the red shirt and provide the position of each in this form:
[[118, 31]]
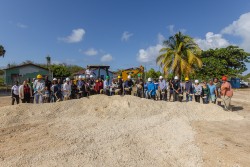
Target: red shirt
[[26, 89]]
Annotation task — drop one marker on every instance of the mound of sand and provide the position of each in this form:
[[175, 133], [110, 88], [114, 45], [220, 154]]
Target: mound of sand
[[104, 131]]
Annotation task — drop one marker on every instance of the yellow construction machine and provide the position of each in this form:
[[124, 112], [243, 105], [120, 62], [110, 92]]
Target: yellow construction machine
[[133, 72]]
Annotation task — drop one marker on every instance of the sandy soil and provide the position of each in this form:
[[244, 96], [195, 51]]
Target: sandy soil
[[124, 131], [226, 143]]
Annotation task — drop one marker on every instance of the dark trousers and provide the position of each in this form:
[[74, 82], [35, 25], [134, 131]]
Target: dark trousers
[[140, 93], [15, 98], [163, 96], [197, 98], [26, 98], [175, 96], [170, 94]]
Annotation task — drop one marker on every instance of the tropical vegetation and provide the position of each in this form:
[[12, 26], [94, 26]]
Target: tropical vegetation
[[180, 55]]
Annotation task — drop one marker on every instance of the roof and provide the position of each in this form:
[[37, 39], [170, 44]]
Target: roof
[[80, 72], [28, 64]]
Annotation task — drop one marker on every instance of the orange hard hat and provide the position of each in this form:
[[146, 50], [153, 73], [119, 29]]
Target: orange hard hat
[[224, 78]]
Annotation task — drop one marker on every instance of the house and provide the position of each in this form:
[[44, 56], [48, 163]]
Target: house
[[100, 71], [95, 70], [79, 73], [103, 74], [23, 72]]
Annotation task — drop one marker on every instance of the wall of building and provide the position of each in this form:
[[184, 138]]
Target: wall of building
[[22, 73], [103, 74]]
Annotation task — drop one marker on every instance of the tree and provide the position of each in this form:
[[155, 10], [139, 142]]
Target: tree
[[153, 74], [228, 61], [180, 55], [74, 68], [60, 71], [2, 51]]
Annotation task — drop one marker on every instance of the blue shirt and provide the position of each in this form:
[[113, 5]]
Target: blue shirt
[[156, 86], [151, 87], [212, 89]]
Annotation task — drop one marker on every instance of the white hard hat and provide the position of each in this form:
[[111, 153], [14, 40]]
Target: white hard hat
[[67, 79], [176, 77], [91, 76], [80, 77], [129, 77], [149, 79], [160, 77], [54, 79], [196, 81]]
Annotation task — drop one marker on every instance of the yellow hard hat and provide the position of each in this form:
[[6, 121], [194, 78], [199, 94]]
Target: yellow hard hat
[[39, 76], [186, 79], [119, 77]]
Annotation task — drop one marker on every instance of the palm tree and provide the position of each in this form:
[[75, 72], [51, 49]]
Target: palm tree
[[2, 51], [179, 55]]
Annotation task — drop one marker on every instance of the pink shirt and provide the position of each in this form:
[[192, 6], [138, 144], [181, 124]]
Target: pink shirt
[[226, 89]]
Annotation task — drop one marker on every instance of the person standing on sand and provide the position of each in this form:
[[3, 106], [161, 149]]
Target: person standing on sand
[[176, 89], [106, 86], [213, 92], [15, 93], [162, 89], [67, 89], [218, 86], [48, 86], [151, 89], [25, 92], [128, 86], [197, 91], [139, 86], [205, 92], [226, 93], [120, 85], [188, 90], [171, 90], [38, 87]]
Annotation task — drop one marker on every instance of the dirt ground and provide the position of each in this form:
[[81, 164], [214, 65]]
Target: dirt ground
[[226, 143], [125, 131]]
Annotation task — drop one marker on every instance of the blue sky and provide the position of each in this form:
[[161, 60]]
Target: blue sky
[[123, 34]]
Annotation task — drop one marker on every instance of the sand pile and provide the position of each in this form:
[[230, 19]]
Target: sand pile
[[104, 131]]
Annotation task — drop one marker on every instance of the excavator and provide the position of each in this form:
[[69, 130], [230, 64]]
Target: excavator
[[133, 72]]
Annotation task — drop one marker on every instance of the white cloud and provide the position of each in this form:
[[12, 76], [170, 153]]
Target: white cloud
[[20, 25], [149, 54], [76, 36], [91, 52], [212, 41], [241, 28], [126, 36], [106, 58]]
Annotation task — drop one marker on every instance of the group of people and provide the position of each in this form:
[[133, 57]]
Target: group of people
[[45, 91], [210, 92]]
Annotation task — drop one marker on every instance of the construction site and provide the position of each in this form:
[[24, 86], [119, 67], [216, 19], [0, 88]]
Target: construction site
[[125, 131]]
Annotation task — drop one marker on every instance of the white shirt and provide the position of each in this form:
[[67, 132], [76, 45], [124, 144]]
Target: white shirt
[[66, 89], [105, 84], [15, 90]]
